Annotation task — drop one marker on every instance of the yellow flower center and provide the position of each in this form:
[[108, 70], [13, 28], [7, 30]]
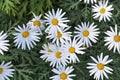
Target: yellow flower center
[[49, 50], [59, 34], [100, 66], [72, 50], [54, 21], [63, 76], [58, 54], [25, 34], [36, 23], [1, 70], [117, 38], [85, 33], [102, 10]]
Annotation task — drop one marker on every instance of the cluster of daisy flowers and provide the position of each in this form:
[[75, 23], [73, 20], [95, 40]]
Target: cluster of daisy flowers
[[63, 47]]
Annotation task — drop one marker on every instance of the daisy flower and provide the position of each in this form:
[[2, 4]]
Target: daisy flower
[[25, 37], [87, 33], [63, 73], [57, 57], [6, 71], [102, 10], [3, 42], [72, 48], [88, 1], [55, 20], [36, 23], [113, 39], [99, 68], [60, 37], [47, 51]]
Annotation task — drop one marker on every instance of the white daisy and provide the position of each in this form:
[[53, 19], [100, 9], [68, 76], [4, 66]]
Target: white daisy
[[36, 23], [6, 71], [72, 48], [102, 10], [60, 37], [57, 57], [113, 39], [99, 68], [47, 51], [55, 20], [63, 73], [89, 1], [25, 37], [3, 42], [87, 33]]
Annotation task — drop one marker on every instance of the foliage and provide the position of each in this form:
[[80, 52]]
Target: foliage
[[27, 63]]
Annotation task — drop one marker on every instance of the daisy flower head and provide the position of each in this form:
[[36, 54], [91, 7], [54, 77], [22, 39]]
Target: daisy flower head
[[47, 51], [89, 1], [113, 39], [99, 68], [63, 73], [59, 37], [57, 57], [102, 10], [87, 33], [25, 37], [6, 71], [3, 42], [55, 21], [73, 47], [36, 23]]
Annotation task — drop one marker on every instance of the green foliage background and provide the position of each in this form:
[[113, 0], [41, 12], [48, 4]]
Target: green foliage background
[[27, 63]]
